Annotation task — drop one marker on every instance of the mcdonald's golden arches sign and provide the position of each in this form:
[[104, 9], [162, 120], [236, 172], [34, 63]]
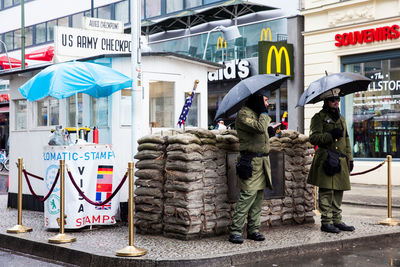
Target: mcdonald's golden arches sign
[[275, 57]]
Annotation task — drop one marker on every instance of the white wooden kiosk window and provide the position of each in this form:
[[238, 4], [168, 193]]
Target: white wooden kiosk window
[[47, 112], [21, 114], [162, 104]]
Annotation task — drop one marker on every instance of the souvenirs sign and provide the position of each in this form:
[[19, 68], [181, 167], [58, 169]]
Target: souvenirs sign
[[92, 167]]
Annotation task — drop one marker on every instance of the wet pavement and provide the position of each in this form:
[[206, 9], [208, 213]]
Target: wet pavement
[[14, 259], [97, 247]]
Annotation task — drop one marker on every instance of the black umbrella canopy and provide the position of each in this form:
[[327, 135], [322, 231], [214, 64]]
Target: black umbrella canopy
[[237, 96], [192, 17], [347, 82]]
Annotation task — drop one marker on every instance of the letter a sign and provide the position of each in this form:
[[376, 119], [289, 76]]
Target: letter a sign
[[275, 57]]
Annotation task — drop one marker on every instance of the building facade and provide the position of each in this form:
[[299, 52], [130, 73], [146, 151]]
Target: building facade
[[360, 36]]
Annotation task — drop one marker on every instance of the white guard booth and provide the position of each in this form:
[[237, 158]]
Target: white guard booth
[[31, 123]]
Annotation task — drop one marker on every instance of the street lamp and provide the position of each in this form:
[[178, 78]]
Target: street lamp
[[5, 48], [229, 33]]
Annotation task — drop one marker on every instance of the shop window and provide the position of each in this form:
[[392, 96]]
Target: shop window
[[125, 107], [28, 36], [99, 111], [373, 116], [104, 12], [174, 5], [77, 20], [122, 11], [47, 111], [192, 119], [192, 3], [153, 8], [50, 30], [20, 114], [40, 36], [162, 104], [71, 110], [9, 40], [63, 22], [7, 3], [17, 39]]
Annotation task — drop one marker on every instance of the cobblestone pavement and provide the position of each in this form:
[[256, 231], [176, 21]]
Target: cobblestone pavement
[[101, 243]]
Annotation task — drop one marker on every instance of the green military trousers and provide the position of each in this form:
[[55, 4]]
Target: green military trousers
[[329, 203], [248, 205]]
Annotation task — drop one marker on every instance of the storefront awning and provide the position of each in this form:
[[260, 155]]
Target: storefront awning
[[5, 64], [44, 54], [229, 9], [4, 109]]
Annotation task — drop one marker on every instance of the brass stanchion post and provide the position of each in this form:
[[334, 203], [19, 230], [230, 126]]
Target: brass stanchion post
[[19, 228], [131, 250], [61, 237], [389, 220], [316, 211]]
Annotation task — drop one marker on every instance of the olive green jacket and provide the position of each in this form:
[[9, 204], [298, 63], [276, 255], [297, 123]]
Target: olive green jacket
[[253, 137], [321, 125]]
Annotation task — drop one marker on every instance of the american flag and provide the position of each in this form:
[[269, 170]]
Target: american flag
[[104, 185], [185, 110]]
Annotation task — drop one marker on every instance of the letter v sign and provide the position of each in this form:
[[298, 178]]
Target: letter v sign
[[81, 169]]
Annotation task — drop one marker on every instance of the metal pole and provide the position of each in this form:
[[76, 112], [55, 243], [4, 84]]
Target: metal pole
[[316, 211], [61, 237], [131, 250], [19, 228], [389, 220], [135, 68], [92, 8], [22, 34]]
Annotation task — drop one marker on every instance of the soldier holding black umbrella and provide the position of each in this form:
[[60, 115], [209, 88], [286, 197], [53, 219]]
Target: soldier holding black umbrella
[[253, 168], [332, 163]]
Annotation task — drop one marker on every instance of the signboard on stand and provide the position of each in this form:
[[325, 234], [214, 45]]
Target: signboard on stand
[[92, 168]]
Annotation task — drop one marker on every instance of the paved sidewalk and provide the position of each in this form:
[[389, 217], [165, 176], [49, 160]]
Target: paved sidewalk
[[97, 247], [372, 195]]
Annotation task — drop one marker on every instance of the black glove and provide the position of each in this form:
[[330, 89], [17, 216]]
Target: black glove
[[336, 133], [271, 131], [351, 165]]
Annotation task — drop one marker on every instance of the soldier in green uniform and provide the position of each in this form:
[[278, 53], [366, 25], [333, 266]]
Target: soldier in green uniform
[[252, 128], [328, 131]]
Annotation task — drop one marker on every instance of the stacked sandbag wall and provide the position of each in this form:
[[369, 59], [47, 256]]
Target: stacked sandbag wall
[[189, 195], [298, 204], [184, 188], [149, 182]]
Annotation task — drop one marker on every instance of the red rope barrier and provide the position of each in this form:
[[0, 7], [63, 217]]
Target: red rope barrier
[[34, 176], [97, 203], [367, 171], [33, 192]]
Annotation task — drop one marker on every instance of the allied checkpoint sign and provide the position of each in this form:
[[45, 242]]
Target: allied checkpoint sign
[[93, 169]]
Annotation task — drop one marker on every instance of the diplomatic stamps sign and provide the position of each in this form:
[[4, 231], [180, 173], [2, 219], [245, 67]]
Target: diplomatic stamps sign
[[92, 168]]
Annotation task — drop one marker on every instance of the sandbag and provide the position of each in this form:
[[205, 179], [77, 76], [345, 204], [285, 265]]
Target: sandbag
[[152, 174], [180, 155], [184, 139], [152, 139], [151, 146], [185, 148], [149, 154], [185, 166]]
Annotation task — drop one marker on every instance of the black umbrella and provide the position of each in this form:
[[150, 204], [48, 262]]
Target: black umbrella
[[347, 82], [238, 95]]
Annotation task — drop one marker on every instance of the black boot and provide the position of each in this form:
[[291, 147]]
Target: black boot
[[330, 228], [344, 227], [236, 239], [256, 236]]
